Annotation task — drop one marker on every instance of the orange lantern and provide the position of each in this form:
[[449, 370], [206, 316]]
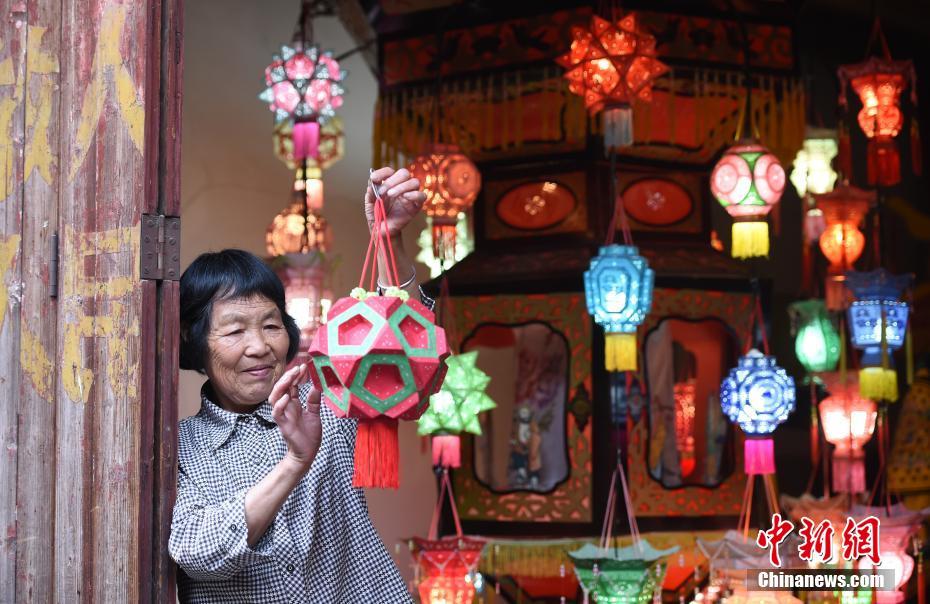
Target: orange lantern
[[841, 241], [609, 65], [300, 228], [451, 183], [879, 83], [848, 422]]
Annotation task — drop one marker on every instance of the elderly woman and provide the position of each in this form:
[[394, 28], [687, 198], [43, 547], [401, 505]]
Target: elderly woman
[[266, 511]]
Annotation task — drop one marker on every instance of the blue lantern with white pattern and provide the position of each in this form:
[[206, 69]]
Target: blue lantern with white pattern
[[878, 303], [618, 290], [758, 395]]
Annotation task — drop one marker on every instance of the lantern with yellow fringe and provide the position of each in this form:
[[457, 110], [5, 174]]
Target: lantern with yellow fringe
[[618, 292], [747, 181], [878, 325]]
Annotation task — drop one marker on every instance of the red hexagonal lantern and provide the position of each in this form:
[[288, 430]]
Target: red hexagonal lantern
[[379, 358]]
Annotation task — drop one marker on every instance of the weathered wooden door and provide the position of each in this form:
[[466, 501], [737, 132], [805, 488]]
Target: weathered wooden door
[[89, 143]]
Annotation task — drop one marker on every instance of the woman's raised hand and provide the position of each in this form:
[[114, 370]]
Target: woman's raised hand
[[401, 194], [301, 427]]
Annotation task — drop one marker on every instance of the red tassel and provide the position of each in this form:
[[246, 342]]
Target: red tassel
[[377, 455], [447, 451], [884, 163], [917, 159], [444, 238]]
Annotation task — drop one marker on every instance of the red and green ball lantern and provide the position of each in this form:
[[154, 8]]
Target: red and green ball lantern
[[747, 181], [378, 359]]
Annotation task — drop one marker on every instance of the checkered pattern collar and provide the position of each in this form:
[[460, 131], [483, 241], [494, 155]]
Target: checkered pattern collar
[[219, 423]]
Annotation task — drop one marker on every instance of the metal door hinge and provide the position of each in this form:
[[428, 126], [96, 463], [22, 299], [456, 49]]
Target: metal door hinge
[[53, 266], [161, 247]]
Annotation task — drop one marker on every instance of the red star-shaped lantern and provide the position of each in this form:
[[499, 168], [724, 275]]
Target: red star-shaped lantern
[[610, 64]]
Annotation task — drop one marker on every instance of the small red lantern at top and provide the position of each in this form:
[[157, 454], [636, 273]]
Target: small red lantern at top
[[610, 64], [879, 82]]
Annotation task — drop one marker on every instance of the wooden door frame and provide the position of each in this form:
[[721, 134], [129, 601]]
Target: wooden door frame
[[160, 318]]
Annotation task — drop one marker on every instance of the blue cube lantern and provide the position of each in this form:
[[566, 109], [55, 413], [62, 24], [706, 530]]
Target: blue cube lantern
[[618, 290], [758, 395], [878, 302]]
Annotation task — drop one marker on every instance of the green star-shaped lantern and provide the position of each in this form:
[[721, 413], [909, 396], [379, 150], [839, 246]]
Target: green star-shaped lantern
[[455, 408]]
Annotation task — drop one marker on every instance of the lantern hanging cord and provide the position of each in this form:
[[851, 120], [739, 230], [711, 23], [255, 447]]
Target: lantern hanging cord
[[309, 10], [619, 209], [746, 112], [374, 244], [445, 485], [756, 317]]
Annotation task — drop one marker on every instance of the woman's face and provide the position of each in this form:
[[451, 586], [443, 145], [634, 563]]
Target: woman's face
[[246, 350]]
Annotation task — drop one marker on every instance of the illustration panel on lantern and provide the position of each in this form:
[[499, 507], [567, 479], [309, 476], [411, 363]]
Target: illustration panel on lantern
[[690, 440], [523, 443]]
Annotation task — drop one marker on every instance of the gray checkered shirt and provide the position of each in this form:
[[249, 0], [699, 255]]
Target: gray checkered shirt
[[321, 546]]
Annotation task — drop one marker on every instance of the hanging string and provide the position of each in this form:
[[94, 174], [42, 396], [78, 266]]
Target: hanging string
[[761, 318], [445, 486], [619, 214], [378, 232]]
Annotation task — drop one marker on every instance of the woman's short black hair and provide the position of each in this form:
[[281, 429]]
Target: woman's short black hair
[[223, 275]]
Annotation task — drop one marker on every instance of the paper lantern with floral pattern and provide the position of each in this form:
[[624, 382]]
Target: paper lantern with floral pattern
[[303, 84], [378, 359], [747, 181], [758, 395]]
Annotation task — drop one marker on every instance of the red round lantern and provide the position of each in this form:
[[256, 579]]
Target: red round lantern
[[879, 83], [609, 65], [451, 183], [842, 242], [747, 181]]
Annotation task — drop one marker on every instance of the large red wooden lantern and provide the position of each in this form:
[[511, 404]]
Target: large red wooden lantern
[[842, 242], [747, 181], [609, 64], [879, 83], [451, 183], [378, 358]]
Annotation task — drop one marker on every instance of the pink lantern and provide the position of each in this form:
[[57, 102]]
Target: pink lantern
[[747, 181], [848, 422], [304, 85]]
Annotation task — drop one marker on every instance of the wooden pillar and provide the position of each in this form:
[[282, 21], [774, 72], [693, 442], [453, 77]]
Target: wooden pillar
[[89, 124]]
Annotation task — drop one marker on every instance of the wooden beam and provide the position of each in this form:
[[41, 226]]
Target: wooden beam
[[354, 19]]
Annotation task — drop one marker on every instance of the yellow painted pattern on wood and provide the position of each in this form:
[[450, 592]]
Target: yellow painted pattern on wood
[[112, 322], [37, 366], [9, 248], [108, 72], [40, 67]]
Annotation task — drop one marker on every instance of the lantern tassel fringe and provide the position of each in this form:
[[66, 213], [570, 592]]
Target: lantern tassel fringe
[[750, 239], [377, 454], [878, 384], [447, 451], [620, 352]]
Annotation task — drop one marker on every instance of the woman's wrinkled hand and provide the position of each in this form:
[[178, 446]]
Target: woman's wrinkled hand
[[301, 427], [401, 195]]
